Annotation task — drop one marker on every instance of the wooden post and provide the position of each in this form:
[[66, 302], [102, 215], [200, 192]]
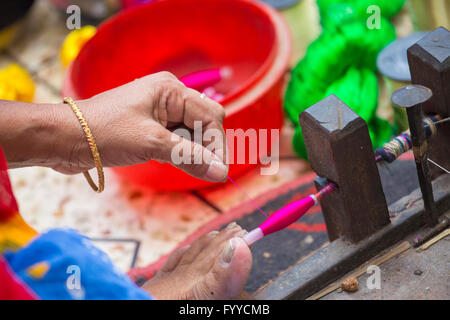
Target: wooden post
[[429, 62], [340, 150], [411, 98]]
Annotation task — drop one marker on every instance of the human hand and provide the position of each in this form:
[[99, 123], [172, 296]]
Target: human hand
[[134, 123], [131, 124]]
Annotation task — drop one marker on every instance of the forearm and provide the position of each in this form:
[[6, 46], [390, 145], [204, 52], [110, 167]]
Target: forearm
[[37, 134]]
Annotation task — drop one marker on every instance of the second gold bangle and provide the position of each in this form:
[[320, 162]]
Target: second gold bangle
[[92, 145]]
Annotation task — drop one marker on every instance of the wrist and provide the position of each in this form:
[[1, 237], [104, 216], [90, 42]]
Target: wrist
[[71, 152]]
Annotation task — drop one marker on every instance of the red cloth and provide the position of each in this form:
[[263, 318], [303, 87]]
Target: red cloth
[[11, 287], [8, 204]]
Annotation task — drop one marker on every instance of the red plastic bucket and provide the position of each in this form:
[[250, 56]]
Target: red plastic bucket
[[185, 36]]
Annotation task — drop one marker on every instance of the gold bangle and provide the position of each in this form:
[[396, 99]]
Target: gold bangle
[[92, 145]]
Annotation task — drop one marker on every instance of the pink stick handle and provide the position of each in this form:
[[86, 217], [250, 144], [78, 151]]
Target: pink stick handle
[[202, 79], [287, 215]]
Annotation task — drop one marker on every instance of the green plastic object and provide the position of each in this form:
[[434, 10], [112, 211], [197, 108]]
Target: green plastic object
[[342, 61]]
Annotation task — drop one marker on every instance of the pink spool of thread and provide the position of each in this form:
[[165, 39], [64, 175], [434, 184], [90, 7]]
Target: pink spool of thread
[[206, 78], [287, 215]]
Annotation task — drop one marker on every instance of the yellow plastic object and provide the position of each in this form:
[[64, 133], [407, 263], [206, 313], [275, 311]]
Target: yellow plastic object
[[15, 233], [74, 42], [38, 270], [16, 84]]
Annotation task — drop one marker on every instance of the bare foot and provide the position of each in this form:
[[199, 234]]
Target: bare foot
[[216, 266]]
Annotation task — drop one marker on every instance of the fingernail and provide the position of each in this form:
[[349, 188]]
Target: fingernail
[[217, 171], [213, 233], [241, 233], [228, 252], [232, 225]]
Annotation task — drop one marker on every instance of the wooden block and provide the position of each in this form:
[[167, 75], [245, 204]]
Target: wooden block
[[429, 62], [340, 150]]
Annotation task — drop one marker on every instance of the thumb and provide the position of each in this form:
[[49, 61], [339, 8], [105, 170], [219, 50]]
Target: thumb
[[191, 157]]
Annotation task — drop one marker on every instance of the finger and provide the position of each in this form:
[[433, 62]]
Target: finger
[[209, 254], [231, 269], [211, 114], [189, 106], [198, 111], [191, 157], [214, 138], [196, 247], [174, 259]]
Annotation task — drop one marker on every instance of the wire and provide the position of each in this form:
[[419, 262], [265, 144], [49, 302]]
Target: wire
[[440, 121], [439, 166]]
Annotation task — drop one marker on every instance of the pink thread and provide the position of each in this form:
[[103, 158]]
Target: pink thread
[[265, 214]]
